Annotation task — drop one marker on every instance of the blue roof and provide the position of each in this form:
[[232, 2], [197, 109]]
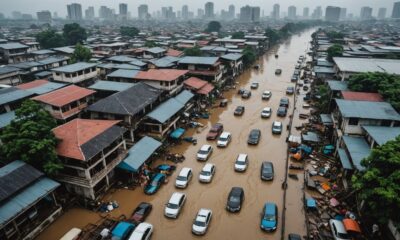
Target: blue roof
[[166, 110], [199, 60], [121, 58], [68, 50], [12, 94], [12, 45], [123, 73], [362, 109], [111, 86], [319, 69], [184, 97], [344, 159], [139, 154], [23, 200], [270, 208], [156, 50], [177, 133], [335, 85], [122, 229], [45, 88], [165, 62], [8, 69], [311, 203], [43, 74], [232, 56], [6, 119], [358, 149], [51, 60], [137, 62], [74, 67], [382, 134]]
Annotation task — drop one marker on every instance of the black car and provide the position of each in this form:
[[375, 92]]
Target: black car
[[267, 171], [282, 111], [284, 102], [290, 90], [235, 199], [294, 78], [246, 94], [293, 236], [141, 212], [239, 111], [254, 137]]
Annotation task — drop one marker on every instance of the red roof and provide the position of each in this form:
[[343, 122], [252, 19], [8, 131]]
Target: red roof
[[174, 53], [195, 83], [32, 84], [161, 74], [77, 132], [64, 96], [206, 89], [362, 96]]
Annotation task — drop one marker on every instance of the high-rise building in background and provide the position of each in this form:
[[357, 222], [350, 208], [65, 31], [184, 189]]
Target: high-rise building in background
[[317, 13], [275, 11], [27, 16], [16, 15], [2, 16], [185, 12], [382, 13], [209, 10], [89, 13], [106, 13], [74, 11], [123, 10], [200, 13], [396, 10], [366, 13], [250, 14], [343, 13], [44, 16], [143, 11], [332, 14], [232, 11], [292, 12], [306, 12]]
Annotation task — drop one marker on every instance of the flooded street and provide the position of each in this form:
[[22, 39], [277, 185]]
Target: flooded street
[[225, 225]]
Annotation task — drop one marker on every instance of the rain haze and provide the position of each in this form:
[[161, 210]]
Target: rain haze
[[59, 6]]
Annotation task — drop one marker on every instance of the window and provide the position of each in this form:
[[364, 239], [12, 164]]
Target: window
[[353, 121], [386, 123], [161, 83]]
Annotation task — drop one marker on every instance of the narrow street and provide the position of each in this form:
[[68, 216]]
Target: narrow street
[[225, 225]]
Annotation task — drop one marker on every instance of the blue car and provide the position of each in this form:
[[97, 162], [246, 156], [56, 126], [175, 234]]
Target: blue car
[[269, 220], [155, 183]]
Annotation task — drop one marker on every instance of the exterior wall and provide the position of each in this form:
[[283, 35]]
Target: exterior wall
[[76, 77], [69, 110], [14, 55], [10, 78]]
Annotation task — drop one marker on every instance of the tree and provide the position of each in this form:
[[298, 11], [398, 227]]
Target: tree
[[249, 56], [192, 51], [335, 50], [273, 35], [74, 33], [213, 26], [50, 39], [30, 138], [150, 44], [81, 54], [379, 185], [334, 35], [238, 35], [129, 31], [323, 103]]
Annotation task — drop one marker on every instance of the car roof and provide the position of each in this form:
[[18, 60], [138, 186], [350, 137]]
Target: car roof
[[236, 190], [225, 134], [203, 211], [176, 196], [158, 176], [241, 156], [267, 91], [267, 109], [143, 226], [266, 163], [339, 225], [284, 99], [208, 167], [205, 147], [184, 171], [270, 208], [277, 123]]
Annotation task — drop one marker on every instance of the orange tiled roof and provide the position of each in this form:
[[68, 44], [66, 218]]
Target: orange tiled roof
[[362, 96], [195, 83], [161, 74], [77, 132], [32, 84], [64, 96], [174, 53], [206, 89]]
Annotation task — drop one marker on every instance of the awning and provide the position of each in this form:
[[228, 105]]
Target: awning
[[326, 119], [206, 89], [351, 225], [344, 159], [310, 137], [139, 154], [177, 133]]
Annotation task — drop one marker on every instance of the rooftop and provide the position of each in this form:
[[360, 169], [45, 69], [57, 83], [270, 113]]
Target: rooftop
[[8, 95], [12, 45], [362, 96], [232, 56], [40, 86], [382, 134], [199, 60], [362, 109], [64, 95], [111, 86], [358, 149], [357, 65], [156, 50], [6, 118], [123, 73], [76, 67], [161, 74], [335, 85]]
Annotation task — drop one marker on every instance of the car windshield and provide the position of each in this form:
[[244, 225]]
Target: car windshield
[[240, 163], [205, 173], [181, 178], [140, 211], [234, 199], [172, 206], [199, 223], [223, 138], [214, 130], [203, 152], [270, 217]]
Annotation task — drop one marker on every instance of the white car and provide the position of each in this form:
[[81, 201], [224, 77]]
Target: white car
[[241, 162], [277, 127], [201, 222], [184, 177], [224, 139], [254, 85], [204, 153], [142, 232], [266, 112], [338, 230], [207, 173], [266, 95], [175, 204]]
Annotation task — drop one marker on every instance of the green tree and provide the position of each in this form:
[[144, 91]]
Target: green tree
[[74, 33], [30, 138], [192, 51], [238, 35], [150, 44], [249, 56], [379, 185], [50, 39], [335, 50], [334, 35], [213, 26], [81, 54], [129, 31], [323, 103], [273, 35]]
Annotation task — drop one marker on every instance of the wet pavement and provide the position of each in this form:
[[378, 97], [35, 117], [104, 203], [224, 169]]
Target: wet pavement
[[225, 225]]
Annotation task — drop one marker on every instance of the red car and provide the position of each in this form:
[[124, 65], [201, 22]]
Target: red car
[[141, 212], [215, 131]]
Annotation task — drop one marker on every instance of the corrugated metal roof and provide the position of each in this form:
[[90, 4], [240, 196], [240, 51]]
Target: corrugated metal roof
[[199, 60], [45, 88], [111, 86], [382, 134], [6, 119], [26, 198], [64, 96], [362, 109], [337, 85], [232, 56], [123, 73], [121, 58], [356, 65], [12, 45], [344, 159], [358, 149], [319, 69], [67, 50], [326, 119], [8, 95], [139, 153], [51, 60], [166, 110], [165, 62], [43, 52], [8, 69], [74, 67], [184, 97], [156, 50]]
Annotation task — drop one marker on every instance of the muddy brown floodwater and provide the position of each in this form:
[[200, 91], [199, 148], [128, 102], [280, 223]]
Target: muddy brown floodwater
[[225, 225]]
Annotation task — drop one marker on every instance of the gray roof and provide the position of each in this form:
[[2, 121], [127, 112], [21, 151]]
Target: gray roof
[[128, 102], [199, 60], [26, 65], [310, 137], [382, 134], [358, 149], [120, 58], [123, 73], [156, 50], [43, 52], [326, 119], [43, 74], [344, 159], [68, 50], [118, 66], [111, 86], [165, 62], [51, 60], [367, 110], [6, 118], [232, 56], [10, 46], [319, 69], [76, 67], [357, 65], [137, 62], [8, 69], [45, 88], [337, 85], [8, 95], [184, 97]]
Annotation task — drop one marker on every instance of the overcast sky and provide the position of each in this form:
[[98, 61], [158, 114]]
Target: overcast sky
[[59, 6]]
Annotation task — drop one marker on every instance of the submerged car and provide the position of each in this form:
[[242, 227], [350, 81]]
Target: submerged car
[[254, 137], [183, 178], [207, 173], [281, 112], [215, 131], [266, 95], [141, 212], [204, 153], [269, 219], [155, 183], [201, 222], [266, 112], [224, 139], [254, 85], [277, 127], [290, 90], [142, 232], [175, 204], [284, 102], [241, 163], [267, 171], [235, 199], [246, 94]]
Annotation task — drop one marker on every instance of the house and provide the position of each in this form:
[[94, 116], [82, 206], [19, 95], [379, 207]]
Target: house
[[233, 63], [379, 135], [28, 202], [39, 87], [173, 53], [261, 39], [120, 59], [198, 86], [169, 80], [53, 62], [81, 73], [106, 88], [90, 150], [11, 98], [9, 75], [335, 89], [164, 62], [123, 75], [42, 54], [66, 103], [155, 52], [214, 50], [129, 106], [323, 72], [206, 68], [106, 68], [13, 52], [361, 96]]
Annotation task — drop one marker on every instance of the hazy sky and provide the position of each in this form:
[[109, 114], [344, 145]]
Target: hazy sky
[[32, 6]]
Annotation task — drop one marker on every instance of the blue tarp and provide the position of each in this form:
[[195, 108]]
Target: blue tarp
[[311, 203], [122, 229], [177, 133], [139, 153]]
